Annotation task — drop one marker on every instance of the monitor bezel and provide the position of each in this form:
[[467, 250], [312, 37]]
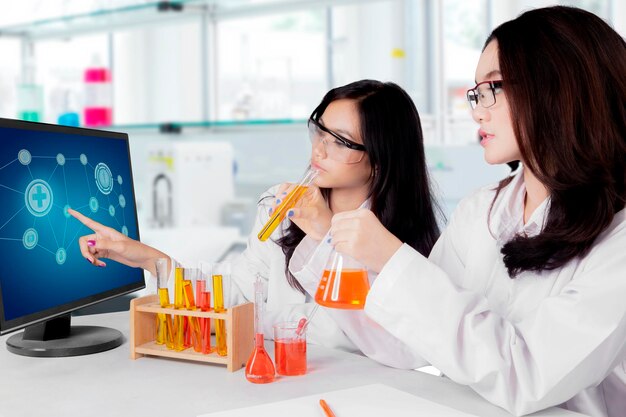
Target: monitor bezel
[[8, 326]]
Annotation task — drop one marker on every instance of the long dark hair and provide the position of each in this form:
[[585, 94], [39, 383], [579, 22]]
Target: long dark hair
[[567, 91], [400, 193]]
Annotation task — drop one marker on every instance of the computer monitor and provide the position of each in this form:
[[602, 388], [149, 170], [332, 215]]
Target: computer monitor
[[44, 169]]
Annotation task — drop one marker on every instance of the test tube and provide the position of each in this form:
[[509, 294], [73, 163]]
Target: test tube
[[289, 201], [203, 300], [219, 271], [164, 321], [193, 332], [179, 322]]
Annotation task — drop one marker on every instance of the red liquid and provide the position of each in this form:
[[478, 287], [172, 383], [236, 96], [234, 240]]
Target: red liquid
[[260, 369], [290, 355], [351, 293]]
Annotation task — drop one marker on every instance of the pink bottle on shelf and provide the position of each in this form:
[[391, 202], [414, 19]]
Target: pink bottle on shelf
[[98, 97]]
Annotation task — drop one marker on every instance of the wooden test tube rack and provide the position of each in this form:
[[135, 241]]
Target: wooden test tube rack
[[239, 332]]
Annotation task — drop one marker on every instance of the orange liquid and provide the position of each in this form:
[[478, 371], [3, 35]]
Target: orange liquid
[[193, 333], [290, 355], [220, 325], [203, 300], [349, 294], [279, 215], [164, 327], [179, 321], [259, 368]]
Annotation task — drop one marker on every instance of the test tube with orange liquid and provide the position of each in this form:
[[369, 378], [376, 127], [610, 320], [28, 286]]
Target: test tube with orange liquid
[[288, 202], [219, 271], [203, 301], [193, 325], [344, 283], [179, 303], [164, 321]]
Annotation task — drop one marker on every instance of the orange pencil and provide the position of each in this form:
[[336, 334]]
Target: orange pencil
[[326, 408]]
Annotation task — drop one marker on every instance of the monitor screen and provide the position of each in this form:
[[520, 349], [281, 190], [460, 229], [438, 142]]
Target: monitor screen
[[44, 169]]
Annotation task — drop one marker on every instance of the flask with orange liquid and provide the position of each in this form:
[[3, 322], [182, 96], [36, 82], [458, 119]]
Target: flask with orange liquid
[[259, 368], [344, 283], [288, 202]]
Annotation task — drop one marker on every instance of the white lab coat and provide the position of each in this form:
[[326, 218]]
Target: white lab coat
[[283, 303], [540, 340]]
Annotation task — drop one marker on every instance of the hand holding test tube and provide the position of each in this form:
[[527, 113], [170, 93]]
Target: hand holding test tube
[[290, 200]]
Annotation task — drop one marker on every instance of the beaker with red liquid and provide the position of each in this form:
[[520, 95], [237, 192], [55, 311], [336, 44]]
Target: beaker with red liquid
[[289, 349]]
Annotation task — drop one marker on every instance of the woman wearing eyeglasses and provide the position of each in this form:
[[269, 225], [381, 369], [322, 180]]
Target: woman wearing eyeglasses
[[523, 297], [366, 143]]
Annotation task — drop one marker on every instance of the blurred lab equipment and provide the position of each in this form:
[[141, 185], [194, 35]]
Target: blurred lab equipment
[[98, 110], [190, 182]]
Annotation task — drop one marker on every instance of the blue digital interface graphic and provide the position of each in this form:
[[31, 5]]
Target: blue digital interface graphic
[[42, 174]]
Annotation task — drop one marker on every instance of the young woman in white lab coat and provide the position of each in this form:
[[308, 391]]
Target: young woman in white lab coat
[[523, 297], [367, 145]]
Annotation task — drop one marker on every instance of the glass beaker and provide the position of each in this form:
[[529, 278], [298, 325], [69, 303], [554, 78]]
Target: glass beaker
[[289, 349], [288, 202], [344, 283]]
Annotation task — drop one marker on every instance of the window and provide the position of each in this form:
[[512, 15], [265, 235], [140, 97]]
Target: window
[[271, 67]]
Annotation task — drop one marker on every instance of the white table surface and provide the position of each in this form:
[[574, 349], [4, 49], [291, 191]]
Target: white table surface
[[111, 384]]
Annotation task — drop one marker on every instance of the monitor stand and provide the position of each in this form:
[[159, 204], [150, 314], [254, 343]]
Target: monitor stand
[[57, 338]]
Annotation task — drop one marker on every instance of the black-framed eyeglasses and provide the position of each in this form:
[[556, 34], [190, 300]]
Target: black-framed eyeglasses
[[484, 93], [345, 142]]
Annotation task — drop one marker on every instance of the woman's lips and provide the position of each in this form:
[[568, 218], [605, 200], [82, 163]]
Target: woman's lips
[[317, 167], [486, 137]]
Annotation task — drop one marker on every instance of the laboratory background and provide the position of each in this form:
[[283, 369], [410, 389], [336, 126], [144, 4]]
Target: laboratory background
[[215, 94]]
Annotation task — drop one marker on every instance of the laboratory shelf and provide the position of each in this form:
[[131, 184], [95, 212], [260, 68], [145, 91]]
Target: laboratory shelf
[[109, 20], [177, 127], [106, 20]]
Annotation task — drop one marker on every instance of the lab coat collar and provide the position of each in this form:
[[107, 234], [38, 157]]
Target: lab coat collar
[[507, 215]]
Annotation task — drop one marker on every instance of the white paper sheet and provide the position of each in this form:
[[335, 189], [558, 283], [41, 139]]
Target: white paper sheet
[[370, 400]]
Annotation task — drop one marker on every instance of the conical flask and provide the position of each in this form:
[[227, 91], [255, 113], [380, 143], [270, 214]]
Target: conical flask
[[259, 368], [344, 283]]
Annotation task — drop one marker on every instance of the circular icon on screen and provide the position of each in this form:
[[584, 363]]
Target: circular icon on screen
[[24, 157], [104, 178], [30, 238], [122, 200], [112, 210], [125, 230], [38, 197], [65, 212], [93, 204], [83, 159], [60, 159], [119, 179], [61, 256]]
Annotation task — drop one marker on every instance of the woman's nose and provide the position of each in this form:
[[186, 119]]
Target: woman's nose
[[480, 114], [319, 149]]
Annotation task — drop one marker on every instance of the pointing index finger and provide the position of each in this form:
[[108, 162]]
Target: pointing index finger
[[92, 224]]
